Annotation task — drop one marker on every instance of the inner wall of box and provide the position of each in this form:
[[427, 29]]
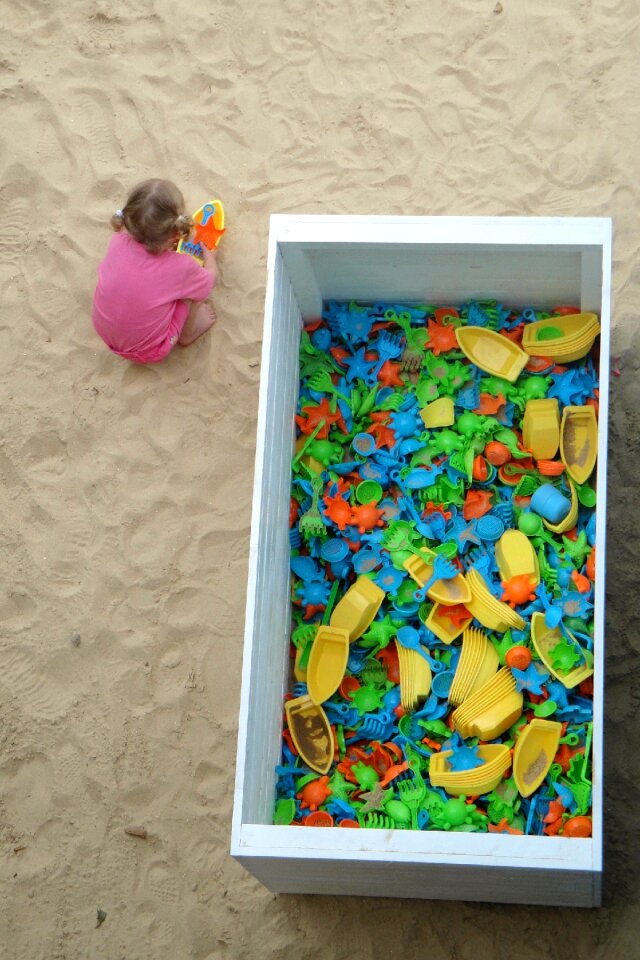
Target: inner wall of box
[[544, 276], [302, 280]]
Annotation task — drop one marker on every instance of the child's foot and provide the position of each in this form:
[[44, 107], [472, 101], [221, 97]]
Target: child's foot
[[201, 318]]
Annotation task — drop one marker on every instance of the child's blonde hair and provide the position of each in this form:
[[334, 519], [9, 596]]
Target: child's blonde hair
[[153, 214]]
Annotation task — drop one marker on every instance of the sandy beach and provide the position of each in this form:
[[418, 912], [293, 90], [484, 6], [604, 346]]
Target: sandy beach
[[125, 491]]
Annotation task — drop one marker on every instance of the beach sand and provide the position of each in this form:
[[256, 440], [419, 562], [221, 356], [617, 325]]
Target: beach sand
[[125, 491]]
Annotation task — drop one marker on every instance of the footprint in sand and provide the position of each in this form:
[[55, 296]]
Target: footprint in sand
[[90, 120], [69, 767], [39, 696], [14, 214], [161, 882], [27, 793]]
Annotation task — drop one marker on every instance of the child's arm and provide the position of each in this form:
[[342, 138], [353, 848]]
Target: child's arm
[[210, 262]]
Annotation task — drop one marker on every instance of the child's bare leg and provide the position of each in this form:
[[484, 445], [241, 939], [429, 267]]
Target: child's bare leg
[[200, 318]]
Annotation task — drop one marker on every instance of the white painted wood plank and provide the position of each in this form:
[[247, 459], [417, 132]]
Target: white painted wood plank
[[435, 882], [408, 846], [267, 609], [553, 231]]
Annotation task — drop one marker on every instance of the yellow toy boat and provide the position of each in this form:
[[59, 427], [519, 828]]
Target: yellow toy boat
[[479, 780], [327, 662], [534, 753], [545, 639], [311, 732], [477, 664], [449, 592], [492, 352], [579, 441], [516, 556], [491, 710], [541, 428], [357, 608]]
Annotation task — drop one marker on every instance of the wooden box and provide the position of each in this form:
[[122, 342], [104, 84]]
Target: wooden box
[[519, 261]]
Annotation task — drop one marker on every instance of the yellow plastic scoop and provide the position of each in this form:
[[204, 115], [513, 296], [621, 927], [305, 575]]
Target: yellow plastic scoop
[[357, 608], [534, 753], [327, 662], [492, 352], [579, 441], [311, 732], [479, 780]]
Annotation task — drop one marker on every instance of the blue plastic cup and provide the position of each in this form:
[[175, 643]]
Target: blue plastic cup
[[549, 503]]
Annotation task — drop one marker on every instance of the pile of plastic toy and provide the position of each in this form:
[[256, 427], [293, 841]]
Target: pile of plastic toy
[[442, 528]]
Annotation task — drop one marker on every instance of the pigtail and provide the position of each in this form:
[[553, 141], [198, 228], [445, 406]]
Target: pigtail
[[117, 220], [184, 226], [151, 215]]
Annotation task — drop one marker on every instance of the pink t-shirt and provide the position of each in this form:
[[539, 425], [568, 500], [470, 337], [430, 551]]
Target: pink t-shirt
[[139, 306]]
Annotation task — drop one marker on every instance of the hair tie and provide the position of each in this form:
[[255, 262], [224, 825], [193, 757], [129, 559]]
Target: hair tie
[[119, 214]]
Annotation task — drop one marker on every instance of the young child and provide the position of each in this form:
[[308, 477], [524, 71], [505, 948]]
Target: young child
[[148, 297]]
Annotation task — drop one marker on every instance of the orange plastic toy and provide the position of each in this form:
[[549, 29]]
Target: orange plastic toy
[[581, 582], [519, 589], [518, 658], [480, 470], [314, 794], [497, 453], [476, 504], [319, 819], [311, 416], [550, 468], [366, 516], [338, 510], [490, 405], [442, 337], [577, 827], [389, 374]]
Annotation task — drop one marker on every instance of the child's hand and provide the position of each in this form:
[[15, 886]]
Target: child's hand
[[209, 256], [209, 261]]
